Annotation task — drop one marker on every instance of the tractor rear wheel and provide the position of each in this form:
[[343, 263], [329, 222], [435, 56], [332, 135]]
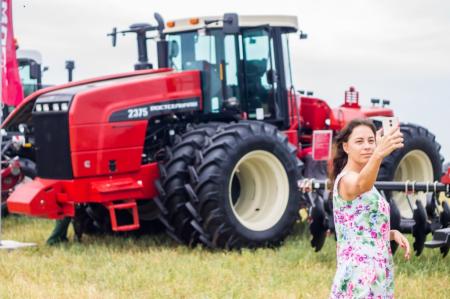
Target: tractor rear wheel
[[418, 160], [246, 187], [174, 176]]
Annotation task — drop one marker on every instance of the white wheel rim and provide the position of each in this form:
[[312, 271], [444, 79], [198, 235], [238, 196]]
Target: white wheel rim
[[264, 190], [415, 166]]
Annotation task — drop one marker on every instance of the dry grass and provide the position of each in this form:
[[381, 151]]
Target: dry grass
[[155, 267]]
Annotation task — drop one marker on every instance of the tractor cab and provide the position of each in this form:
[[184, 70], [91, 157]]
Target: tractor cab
[[29, 62], [244, 61]]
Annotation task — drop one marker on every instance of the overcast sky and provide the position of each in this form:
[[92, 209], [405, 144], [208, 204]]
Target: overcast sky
[[397, 50]]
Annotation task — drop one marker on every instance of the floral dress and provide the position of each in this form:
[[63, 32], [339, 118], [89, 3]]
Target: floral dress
[[364, 258]]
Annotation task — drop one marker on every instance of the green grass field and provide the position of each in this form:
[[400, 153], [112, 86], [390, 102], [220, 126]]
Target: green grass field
[[156, 267]]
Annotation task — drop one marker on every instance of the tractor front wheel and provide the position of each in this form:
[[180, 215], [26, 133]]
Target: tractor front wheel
[[245, 187], [174, 176]]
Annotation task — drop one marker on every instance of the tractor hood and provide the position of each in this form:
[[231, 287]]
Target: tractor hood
[[134, 97], [91, 100]]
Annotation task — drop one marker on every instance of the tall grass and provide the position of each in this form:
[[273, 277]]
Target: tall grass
[[156, 267]]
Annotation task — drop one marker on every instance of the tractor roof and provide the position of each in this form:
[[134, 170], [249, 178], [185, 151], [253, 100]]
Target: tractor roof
[[190, 24], [29, 54]]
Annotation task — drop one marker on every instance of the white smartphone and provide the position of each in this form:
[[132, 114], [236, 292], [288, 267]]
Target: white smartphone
[[389, 124]]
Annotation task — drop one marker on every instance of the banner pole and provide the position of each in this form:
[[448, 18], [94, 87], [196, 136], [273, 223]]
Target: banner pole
[[5, 7], [1, 113]]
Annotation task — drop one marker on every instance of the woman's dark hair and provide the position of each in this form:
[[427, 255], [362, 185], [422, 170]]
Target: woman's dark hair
[[340, 157]]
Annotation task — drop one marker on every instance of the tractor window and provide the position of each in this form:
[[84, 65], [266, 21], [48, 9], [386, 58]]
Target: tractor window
[[286, 60], [29, 84], [194, 51], [188, 50], [259, 73], [205, 48], [231, 50]]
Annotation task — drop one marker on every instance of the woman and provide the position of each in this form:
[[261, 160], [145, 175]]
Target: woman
[[361, 214]]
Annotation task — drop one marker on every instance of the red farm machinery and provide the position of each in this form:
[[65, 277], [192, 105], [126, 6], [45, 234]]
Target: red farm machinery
[[17, 158], [16, 165], [211, 144]]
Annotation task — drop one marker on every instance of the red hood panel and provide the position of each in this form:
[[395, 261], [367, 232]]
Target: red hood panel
[[100, 100]]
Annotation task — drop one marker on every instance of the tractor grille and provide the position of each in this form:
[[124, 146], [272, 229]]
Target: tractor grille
[[52, 145]]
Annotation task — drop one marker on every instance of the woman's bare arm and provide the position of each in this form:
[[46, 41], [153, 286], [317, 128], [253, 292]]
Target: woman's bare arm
[[354, 184]]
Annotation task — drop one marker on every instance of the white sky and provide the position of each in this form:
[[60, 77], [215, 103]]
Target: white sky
[[390, 49]]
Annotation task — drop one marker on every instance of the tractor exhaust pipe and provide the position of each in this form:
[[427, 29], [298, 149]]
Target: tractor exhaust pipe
[[162, 46], [141, 29]]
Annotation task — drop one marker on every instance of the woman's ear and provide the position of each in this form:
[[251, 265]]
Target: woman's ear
[[345, 147]]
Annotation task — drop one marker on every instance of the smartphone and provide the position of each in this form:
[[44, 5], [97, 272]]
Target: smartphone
[[389, 124]]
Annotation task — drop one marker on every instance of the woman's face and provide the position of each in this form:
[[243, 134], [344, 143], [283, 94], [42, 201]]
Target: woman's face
[[360, 145]]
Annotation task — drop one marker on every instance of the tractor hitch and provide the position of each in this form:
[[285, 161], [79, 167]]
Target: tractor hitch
[[425, 219], [441, 239]]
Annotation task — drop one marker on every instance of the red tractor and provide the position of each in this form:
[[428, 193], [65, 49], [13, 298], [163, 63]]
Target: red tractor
[[211, 144]]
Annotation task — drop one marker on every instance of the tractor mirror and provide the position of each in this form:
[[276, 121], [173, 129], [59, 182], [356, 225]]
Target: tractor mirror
[[230, 23], [174, 49], [35, 71], [113, 35], [303, 35]]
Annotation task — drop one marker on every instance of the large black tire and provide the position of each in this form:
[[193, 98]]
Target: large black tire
[[174, 176], [418, 160], [246, 187]]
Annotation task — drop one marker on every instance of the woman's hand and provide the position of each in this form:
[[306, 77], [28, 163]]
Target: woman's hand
[[389, 142], [397, 236]]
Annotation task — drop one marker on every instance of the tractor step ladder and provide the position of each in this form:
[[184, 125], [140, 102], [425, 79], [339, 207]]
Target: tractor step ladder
[[131, 205]]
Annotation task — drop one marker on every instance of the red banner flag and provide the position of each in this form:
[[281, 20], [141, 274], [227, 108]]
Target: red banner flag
[[12, 93]]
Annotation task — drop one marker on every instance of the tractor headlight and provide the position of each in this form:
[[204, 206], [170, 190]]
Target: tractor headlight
[[55, 107], [53, 103], [64, 106], [52, 107]]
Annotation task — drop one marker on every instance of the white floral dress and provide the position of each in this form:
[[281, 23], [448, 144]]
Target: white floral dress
[[364, 258]]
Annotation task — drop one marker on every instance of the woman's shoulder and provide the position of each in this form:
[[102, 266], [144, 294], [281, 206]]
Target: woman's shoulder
[[337, 182], [344, 175], [344, 178]]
